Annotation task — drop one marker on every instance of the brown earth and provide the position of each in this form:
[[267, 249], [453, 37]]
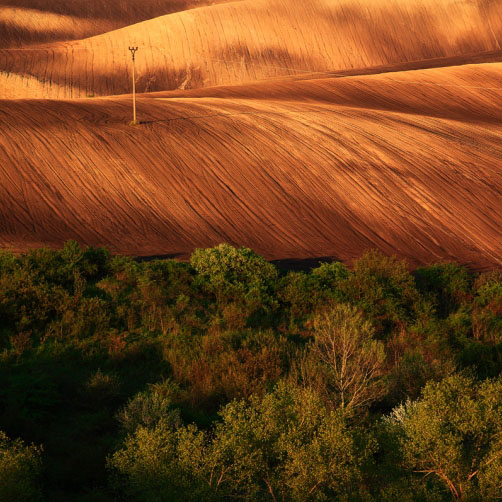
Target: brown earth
[[28, 22], [409, 163], [249, 40], [338, 126]]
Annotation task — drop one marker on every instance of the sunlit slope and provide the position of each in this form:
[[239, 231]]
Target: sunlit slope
[[469, 92], [293, 178], [253, 40], [28, 22]]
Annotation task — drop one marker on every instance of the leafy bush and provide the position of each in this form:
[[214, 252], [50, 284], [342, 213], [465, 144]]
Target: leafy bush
[[20, 470]]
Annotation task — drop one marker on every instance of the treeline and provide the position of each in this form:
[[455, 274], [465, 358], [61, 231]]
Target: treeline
[[224, 379]]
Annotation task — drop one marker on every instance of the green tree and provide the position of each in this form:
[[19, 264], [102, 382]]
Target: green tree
[[157, 464], [383, 288], [487, 308], [239, 279], [448, 284], [284, 446], [225, 265], [150, 407], [454, 432]]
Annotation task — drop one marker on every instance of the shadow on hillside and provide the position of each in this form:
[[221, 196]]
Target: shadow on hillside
[[141, 259], [286, 265], [302, 264]]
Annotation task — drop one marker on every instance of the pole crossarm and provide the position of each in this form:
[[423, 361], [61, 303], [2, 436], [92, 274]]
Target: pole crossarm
[[133, 51]]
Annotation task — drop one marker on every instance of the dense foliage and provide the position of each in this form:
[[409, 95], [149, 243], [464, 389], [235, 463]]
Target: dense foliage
[[227, 379]]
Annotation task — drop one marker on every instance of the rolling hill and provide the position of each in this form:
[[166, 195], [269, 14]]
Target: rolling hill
[[252, 40], [29, 22], [407, 162]]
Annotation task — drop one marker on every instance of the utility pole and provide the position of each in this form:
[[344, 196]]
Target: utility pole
[[133, 52]]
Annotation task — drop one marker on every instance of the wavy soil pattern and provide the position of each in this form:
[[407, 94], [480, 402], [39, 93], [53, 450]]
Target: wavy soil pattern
[[380, 152], [249, 40], [30, 22]]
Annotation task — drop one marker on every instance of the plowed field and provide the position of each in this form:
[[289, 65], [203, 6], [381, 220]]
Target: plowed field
[[29, 22], [300, 129], [254, 40]]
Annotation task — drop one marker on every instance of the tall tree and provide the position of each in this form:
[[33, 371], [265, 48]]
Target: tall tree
[[352, 358]]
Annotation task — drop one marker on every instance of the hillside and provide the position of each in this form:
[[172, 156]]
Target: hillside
[[409, 163], [252, 40], [28, 22]]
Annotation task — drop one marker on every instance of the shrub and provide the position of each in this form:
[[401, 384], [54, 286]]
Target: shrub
[[20, 469], [149, 408]]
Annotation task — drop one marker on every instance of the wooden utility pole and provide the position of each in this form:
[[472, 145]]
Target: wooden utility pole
[[133, 52]]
